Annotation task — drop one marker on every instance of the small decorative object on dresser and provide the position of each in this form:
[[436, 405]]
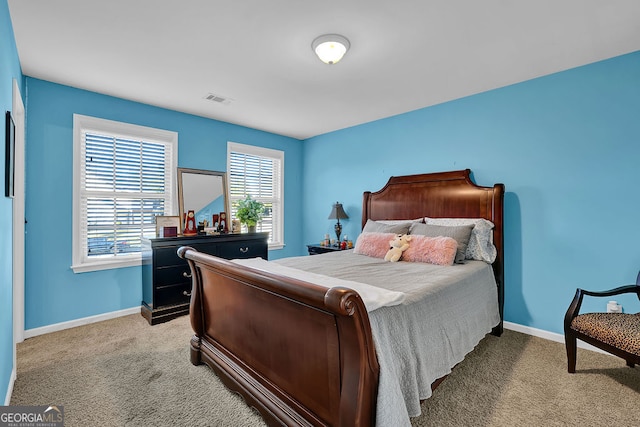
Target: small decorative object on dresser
[[223, 227], [167, 226], [190, 225]]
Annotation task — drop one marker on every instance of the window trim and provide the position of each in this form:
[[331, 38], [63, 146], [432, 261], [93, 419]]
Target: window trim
[[262, 152], [80, 123]]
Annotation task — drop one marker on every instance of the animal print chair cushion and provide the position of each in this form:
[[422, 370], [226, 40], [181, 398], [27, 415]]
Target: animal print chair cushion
[[621, 330]]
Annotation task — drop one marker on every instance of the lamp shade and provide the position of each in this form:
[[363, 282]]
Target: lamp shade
[[337, 212], [330, 48]]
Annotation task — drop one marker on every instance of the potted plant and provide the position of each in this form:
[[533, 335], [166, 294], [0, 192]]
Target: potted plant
[[249, 212]]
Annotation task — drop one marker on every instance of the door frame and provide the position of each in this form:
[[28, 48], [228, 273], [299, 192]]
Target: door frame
[[18, 115]]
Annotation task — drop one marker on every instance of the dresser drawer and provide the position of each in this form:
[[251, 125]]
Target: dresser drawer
[[172, 275], [165, 257], [172, 295], [243, 249], [207, 248], [168, 256]]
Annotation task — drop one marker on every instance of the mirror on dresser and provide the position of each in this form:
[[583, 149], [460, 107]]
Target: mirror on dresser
[[202, 191]]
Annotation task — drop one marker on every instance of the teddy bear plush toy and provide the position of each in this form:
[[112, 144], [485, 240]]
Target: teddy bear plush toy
[[397, 246]]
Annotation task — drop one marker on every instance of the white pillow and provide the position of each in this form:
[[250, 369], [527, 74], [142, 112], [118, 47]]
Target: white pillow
[[480, 245]]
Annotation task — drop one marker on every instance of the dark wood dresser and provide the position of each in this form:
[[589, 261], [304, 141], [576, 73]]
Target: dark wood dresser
[[166, 278]]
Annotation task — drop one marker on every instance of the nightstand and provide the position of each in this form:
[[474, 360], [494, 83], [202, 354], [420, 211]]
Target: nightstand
[[317, 249]]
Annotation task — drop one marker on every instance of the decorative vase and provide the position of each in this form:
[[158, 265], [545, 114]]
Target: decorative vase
[[251, 228]]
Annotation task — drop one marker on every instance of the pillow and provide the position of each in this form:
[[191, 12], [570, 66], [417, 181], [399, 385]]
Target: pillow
[[433, 250], [373, 244], [379, 227], [398, 221], [460, 233], [480, 246]]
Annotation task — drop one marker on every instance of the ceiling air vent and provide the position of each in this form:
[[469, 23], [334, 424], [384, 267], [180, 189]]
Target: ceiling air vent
[[217, 99]]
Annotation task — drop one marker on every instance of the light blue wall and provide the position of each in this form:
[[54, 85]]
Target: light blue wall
[[53, 293], [567, 148], [9, 70]]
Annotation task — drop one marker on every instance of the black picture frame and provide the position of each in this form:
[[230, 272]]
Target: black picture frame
[[10, 156]]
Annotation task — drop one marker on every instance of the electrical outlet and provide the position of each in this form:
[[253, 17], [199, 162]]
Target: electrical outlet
[[614, 307]]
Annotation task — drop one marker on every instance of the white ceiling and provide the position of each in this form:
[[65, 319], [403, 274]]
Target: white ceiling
[[405, 54]]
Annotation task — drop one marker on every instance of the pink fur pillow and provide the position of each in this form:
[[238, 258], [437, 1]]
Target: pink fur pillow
[[433, 250], [373, 244]]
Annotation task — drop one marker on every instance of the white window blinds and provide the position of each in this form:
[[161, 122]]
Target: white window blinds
[[258, 172], [124, 179]]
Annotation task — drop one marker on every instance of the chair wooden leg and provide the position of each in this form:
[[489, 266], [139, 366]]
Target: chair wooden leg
[[630, 364], [570, 343]]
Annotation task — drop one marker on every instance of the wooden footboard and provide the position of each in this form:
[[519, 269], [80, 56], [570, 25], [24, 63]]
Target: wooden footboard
[[299, 353]]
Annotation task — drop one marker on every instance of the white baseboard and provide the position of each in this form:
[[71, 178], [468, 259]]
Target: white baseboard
[[540, 333], [551, 336], [28, 333], [12, 381]]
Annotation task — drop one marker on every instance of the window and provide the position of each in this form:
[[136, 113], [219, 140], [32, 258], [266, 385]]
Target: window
[[123, 176], [258, 172]]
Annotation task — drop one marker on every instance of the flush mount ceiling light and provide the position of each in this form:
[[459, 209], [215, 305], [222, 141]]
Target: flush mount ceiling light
[[330, 48]]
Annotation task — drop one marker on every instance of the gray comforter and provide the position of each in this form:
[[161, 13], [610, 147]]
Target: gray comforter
[[446, 312]]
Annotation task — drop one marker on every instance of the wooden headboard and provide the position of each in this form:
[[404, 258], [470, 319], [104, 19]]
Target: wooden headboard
[[441, 195]]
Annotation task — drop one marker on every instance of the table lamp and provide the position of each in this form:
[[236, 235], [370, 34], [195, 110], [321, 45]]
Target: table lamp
[[338, 213]]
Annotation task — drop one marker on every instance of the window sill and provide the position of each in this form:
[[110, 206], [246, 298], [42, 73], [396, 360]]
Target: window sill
[[276, 246], [107, 265]]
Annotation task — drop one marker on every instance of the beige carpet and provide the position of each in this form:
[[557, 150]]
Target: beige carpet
[[123, 372]]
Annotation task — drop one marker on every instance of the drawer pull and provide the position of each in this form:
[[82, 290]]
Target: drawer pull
[[244, 250], [186, 274], [186, 294]]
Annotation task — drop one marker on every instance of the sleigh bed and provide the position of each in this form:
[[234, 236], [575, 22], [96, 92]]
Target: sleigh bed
[[309, 349]]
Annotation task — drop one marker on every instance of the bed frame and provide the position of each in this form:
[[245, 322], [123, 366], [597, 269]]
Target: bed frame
[[299, 353]]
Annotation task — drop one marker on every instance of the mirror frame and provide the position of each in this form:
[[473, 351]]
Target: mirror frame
[[182, 171]]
